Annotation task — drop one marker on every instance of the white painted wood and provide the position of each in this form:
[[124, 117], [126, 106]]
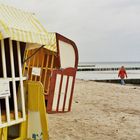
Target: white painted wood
[[3, 59], [12, 122], [62, 94], [34, 125], [0, 114], [56, 92], [12, 79], [68, 93], [7, 109], [5, 76], [67, 55], [16, 79], [0, 102], [21, 82], [13, 76]]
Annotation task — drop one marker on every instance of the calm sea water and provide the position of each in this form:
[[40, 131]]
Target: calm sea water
[[102, 75]]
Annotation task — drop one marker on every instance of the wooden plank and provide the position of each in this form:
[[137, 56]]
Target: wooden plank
[[52, 63], [42, 65], [33, 58], [46, 71], [5, 76], [59, 94], [37, 64], [25, 63], [3, 59], [13, 77], [21, 81], [7, 109], [65, 97], [28, 64]]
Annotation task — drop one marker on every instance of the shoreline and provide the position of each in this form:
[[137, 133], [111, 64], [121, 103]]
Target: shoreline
[[107, 75], [115, 81]]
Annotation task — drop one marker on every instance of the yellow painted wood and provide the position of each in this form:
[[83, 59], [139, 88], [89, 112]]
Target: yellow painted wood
[[51, 69], [36, 102], [12, 116], [33, 97], [47, 63], [43, 57], [22, 131], [33, 64], [37, 65], [3, 133], [1, 36], [25, 65]]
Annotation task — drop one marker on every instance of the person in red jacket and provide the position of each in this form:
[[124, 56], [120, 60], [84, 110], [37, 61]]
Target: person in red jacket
[[122, 74]]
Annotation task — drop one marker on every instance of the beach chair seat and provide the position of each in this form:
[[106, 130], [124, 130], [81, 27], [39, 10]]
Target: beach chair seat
[[12, 116]]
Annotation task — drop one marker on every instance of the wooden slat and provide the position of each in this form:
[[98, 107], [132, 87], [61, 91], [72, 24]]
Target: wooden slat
[[12, 116], [37, 65], [0, 114], [25, 63], [7, 109], [33, 64], [52, 63], [66, 89], [59, 94], [13, 77], [21, 81], [46, 70], [5, 76], [3, 59], [5, 71], [71, 95], [28, 64], [42, 65]]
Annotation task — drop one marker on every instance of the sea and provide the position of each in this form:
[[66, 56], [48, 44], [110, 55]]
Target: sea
[[107, 74]]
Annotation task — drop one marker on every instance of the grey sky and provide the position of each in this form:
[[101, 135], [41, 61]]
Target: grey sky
[[104, 30]]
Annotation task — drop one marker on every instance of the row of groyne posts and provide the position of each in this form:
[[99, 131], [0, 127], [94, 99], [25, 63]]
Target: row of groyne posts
[[93, 68]]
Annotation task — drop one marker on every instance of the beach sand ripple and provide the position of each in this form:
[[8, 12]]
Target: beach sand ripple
[[100, 111]]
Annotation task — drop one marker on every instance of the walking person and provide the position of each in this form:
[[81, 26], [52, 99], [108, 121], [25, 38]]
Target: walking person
[[122, 74]]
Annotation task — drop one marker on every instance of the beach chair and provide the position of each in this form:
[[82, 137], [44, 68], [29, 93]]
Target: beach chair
[[55, 70], [22, 102]]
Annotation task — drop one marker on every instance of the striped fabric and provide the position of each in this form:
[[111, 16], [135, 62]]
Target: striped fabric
[[23, 26], [52, 39]]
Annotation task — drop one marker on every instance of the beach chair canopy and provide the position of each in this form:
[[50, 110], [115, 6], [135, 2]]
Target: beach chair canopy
[[23, 26]]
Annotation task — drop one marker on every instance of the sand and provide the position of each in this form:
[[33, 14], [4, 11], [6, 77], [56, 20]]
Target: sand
[[100, 111]]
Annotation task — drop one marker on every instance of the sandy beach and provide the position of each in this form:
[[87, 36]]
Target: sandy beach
[[100, 111]]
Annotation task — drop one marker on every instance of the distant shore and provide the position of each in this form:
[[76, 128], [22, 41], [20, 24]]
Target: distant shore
[[108, 70], [133, 75]]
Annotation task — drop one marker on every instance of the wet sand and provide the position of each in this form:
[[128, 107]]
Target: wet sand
[[100, 111]]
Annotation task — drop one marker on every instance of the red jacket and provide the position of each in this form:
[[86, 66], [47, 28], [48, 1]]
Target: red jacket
[[122, 73]]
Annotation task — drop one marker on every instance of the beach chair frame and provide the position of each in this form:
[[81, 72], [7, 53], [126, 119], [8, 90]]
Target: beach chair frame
[[11, 80], [62, 81]]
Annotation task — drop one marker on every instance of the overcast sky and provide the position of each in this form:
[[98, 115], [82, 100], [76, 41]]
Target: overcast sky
[[103, 30]]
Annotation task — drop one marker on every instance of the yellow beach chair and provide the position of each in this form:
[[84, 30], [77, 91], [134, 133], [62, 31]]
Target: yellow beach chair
[[22, 103]]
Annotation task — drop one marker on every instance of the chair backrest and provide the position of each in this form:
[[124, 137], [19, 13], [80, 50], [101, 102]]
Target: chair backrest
[[40, 66], [63, 79]]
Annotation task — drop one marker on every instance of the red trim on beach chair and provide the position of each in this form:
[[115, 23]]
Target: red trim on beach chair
[[57, 100]]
